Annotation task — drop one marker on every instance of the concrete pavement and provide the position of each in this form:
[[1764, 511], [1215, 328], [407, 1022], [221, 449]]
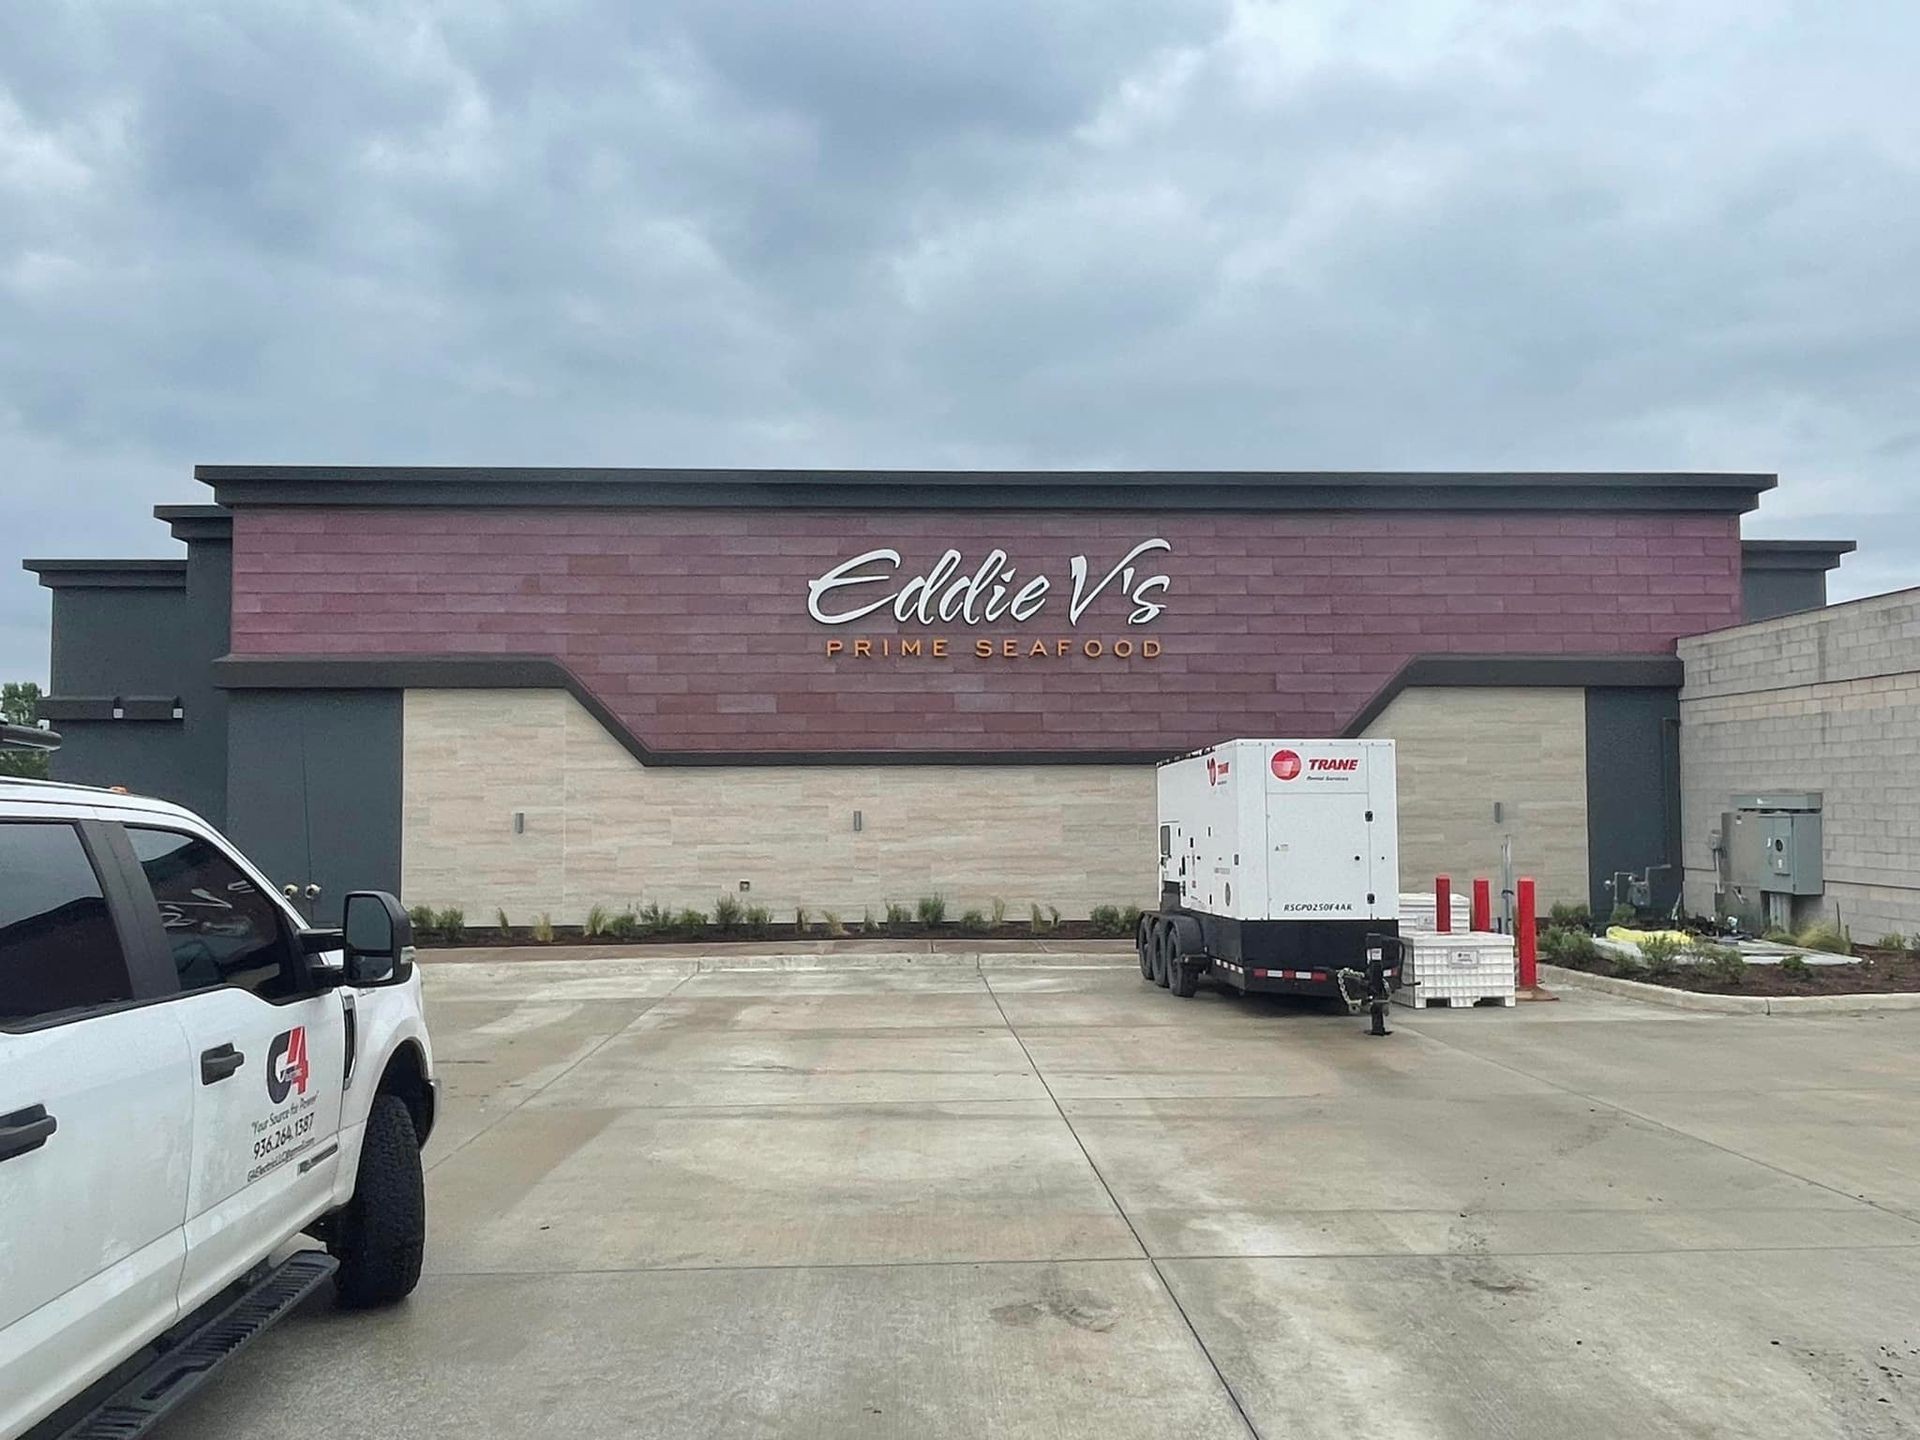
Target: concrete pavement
[[1034, 1201]]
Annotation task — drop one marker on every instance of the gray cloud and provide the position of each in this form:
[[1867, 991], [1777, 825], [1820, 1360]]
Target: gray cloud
[[1603, 234]]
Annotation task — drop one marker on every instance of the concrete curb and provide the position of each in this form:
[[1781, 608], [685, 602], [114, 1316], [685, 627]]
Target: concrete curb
[[1730, 1004], [960, 962]]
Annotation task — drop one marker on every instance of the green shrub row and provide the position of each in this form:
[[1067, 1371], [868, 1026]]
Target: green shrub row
[[730, 916]]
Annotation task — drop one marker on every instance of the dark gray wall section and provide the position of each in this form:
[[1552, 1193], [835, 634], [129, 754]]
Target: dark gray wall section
[[118, 640], [313, 788], [1767, 593], [1633, 790]]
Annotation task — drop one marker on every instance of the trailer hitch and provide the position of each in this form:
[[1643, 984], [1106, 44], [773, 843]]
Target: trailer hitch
[[1377, 996]]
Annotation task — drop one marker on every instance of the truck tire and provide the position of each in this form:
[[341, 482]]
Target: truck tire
[[379, 1237]]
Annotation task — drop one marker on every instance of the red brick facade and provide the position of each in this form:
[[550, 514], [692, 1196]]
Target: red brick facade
[[692, 625]]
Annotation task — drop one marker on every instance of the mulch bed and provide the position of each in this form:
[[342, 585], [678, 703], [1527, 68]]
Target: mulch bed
[[1878, 972]]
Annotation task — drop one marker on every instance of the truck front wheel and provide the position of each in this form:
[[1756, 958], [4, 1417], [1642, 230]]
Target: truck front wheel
[[379, 1237]]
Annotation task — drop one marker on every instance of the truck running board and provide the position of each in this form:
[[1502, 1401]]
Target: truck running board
[[142, 1402]]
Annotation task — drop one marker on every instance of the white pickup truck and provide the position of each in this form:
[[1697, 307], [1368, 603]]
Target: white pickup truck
[[191, 1078]]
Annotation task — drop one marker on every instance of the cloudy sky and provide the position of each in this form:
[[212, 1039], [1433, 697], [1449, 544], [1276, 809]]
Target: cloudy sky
[[1443, 234]]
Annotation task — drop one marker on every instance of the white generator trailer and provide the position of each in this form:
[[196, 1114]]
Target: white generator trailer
[[1279, 870]]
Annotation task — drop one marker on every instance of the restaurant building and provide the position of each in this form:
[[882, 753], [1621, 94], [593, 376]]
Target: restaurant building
[[540, 690]]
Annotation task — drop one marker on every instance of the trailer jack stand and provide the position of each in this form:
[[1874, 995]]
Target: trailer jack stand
[[1379, 1026], [1378, 996]]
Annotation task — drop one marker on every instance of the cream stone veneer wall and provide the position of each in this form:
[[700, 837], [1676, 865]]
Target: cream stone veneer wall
[[1459, 750], [601, 829]]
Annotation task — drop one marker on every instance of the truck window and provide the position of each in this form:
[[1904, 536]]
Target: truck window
[[221, 928], [59, 951]]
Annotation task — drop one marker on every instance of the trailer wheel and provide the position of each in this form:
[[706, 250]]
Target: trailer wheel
[[1183, 978], [1164, 961], [1144, 935]]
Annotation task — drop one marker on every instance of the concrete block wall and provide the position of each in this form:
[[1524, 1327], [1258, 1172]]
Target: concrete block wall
[[1828, 700]]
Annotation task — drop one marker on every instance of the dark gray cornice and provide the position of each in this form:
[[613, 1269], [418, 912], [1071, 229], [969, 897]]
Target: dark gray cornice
[[109, 574], [237, 485], [1821, 555], [196, 522], [540, 672]]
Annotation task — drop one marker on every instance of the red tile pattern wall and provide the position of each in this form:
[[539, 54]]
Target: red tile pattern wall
[[692, 625]]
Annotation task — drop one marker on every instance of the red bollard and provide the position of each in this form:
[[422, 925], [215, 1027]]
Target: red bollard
[[1443, 904], [1526, 935], [1483, 905]]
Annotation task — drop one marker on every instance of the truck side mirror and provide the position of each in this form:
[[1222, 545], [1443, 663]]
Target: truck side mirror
[[378, 939]]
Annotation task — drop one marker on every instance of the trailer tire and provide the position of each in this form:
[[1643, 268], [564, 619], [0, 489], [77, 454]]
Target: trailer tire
[[1144, 937], [1184, 978], [1164, 950]]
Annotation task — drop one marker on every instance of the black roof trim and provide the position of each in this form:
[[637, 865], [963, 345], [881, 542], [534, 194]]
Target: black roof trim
[[1794, 554], [102, 707], [235, 485], [540, 672], [109, 574], [196, 522], [1586, 672]]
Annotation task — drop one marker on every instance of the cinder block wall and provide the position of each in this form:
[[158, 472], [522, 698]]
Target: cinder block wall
[[1828, 700]]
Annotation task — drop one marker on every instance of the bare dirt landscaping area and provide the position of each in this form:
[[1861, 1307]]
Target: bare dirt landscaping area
[[1035, 1196]]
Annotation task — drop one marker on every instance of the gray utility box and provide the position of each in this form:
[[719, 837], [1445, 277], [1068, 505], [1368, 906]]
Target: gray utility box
[[1770, 847]]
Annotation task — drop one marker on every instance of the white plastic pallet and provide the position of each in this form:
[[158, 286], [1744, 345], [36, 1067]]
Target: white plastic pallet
[[1422, 1002]]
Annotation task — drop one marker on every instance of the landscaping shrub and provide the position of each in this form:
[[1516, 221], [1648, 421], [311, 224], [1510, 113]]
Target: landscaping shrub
[[654, 919], [931, 909], [1826, 935], [831, 919], [898, 916], [596, 924], [1891, 942], [690, 922], [543, 928], [1106, 920], [624, 926], [1570, 916], [452, 924], [758, 919], [999, 910], [1572, 948], [1043, 920], [727, 913], [423, 920], [1724, 963], [973, 922], [866, 920], [1662, 956], [500, 920], [1628, 966], [1623, 914], [1795, 967], [802, 920], [1130, 920], [1776, 936]]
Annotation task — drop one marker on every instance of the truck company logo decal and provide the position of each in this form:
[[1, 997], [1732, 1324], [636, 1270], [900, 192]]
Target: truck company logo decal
[[1216, 770], [287, 1064], [993, 593], [1348, 766], [1286, 765]]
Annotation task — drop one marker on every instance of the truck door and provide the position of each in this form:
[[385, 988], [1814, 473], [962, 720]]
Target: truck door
[[268, 1052], [95, 1120]]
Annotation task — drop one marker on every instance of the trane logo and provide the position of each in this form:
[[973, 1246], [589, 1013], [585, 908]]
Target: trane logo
[[1317, 763]]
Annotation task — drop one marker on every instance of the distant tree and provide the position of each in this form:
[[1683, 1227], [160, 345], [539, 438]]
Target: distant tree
[[17, 701]]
